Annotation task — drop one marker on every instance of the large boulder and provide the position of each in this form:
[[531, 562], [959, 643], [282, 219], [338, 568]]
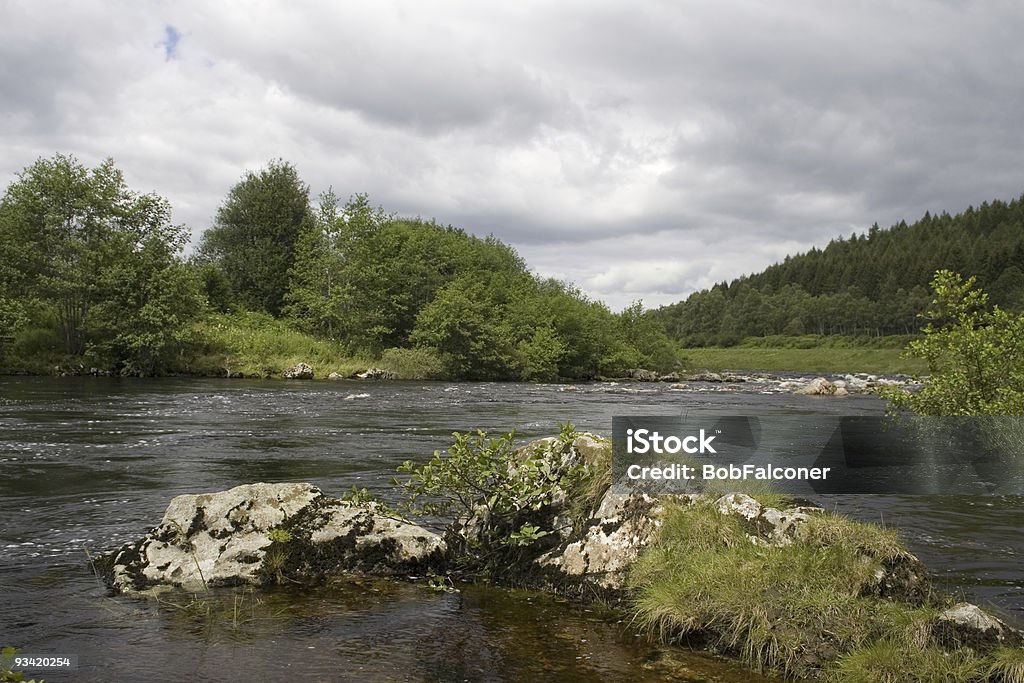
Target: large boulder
[[265, 533], [599, 556]]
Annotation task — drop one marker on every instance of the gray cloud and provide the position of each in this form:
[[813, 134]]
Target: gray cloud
[[641, 150]]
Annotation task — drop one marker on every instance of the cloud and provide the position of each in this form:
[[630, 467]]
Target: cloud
[[641, 150]]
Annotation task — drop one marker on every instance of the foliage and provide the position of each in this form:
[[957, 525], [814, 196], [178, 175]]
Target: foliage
[[279, 535], [975, 355], [6, 674], [868, 284], [500, 487], [97, 261], [85, 256], [537, 357], [252, 241]]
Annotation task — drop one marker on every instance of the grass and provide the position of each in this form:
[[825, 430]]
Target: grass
[[242, 344], [878, 361], [805, 610], [257, 345], [223, 609]]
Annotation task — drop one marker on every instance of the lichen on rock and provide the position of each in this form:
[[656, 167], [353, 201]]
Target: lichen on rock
[[228, 538]]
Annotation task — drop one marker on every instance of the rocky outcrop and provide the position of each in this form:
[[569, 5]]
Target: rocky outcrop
[[299, 371], [266, 533], [599, 556], [596, 558]]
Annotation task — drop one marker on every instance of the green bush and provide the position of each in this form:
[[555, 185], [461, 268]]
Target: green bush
[[500, 496], [975, 355]]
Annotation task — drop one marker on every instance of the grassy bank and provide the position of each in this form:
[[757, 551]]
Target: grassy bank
[[252, 345], [810, 353], [258, 345], [807, 609], [837, 360]]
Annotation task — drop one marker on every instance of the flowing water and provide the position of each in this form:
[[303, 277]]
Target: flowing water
[[89, 463]]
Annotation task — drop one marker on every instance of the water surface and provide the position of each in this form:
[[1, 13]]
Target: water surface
[[89, 463]]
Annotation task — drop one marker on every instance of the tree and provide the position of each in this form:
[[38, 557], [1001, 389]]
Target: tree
[[314, 299], [255, 232], [975, 355], [467, 325], [82, 249]]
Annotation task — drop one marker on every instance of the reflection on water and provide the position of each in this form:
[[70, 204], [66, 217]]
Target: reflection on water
[[89, 463]]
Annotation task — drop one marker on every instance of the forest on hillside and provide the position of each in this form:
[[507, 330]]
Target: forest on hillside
[[92, 274], [871, 284]]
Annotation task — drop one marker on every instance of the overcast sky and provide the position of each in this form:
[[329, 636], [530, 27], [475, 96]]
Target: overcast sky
[[639, 149]]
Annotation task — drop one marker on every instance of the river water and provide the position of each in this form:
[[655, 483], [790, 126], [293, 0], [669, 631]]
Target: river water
[[89, 463]]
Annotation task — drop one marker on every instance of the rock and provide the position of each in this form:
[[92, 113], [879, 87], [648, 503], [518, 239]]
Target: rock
[[260, 533], [601, 554], [670, 377], [817, 387], [968, 625], [766, 525], [641, 375], [856, 383], [300, 371], [334, 376], [703, 376], [376, 373]]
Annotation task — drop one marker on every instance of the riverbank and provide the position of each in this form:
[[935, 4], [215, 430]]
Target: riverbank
[[258, 346], [877, 361]]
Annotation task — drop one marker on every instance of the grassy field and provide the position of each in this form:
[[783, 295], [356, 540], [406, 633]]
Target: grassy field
[[878, 361]]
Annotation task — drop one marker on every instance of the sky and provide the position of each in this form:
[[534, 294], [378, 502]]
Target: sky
[[642, 150]]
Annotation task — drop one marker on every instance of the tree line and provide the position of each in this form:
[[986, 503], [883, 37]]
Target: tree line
[[91, 270], [873, 283]]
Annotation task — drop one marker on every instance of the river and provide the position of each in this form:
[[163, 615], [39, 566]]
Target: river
[[89, 463]]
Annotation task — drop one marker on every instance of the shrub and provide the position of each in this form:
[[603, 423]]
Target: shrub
[[975, 355]]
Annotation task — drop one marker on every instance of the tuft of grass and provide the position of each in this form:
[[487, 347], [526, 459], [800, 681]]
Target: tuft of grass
[[807, 610], [833, 531], [889, 660], [586, 486], [220, 609], [1007, 665], [792, 609]]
